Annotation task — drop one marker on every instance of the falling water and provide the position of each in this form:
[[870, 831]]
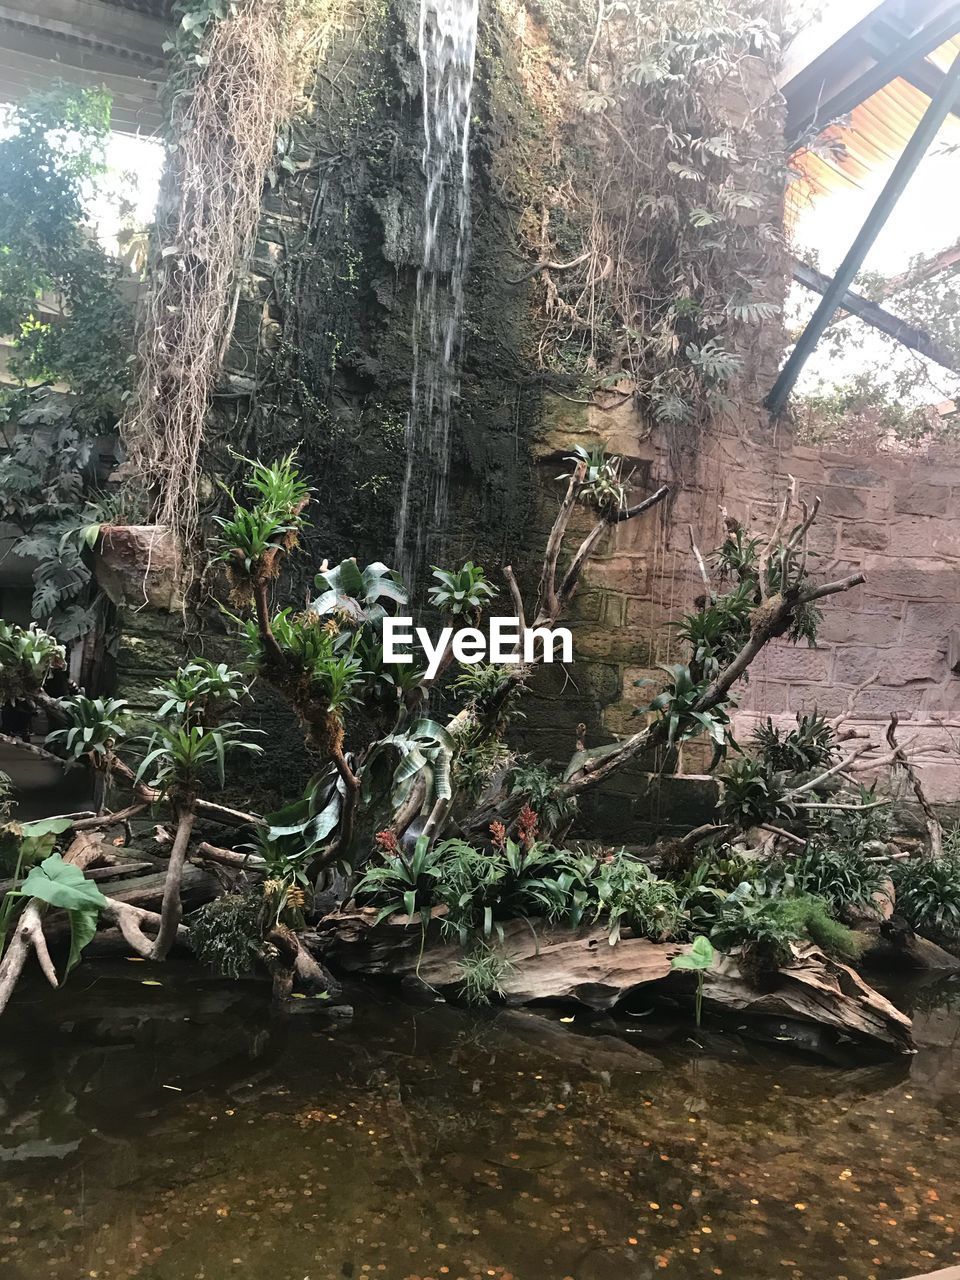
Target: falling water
[[448, 41]]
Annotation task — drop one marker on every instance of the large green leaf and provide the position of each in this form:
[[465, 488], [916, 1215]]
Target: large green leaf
[[700, 955], [61, 884], [83, 925], [46, 827], [425, 748], [358, 592]]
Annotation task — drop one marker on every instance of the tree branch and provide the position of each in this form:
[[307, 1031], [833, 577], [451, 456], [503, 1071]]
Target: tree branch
[[171, 912], [932, 822], [547, 595], [269, 640], [40, 753]]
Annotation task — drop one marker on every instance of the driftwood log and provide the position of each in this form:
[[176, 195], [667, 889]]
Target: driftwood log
[[548, 963]]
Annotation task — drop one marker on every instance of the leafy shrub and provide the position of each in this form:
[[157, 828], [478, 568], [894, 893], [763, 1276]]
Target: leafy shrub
[[677, 707], [604, 485], [201, 691], [94, 726], [481, 888], [461, 591], [630, 894], [482, 971], [273, 521], [765, 929], [225, 934], [176, 755], [811, 745], [850, 828], [928, 895], [554, 809], [843, 878], [704, 888], [27, 657], [753, 793], [717, 632], [403, 883]]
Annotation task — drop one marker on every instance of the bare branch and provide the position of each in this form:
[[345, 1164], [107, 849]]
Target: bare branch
[[784, 835], [630, 513], [171, 912], [585, 550], [515, 596], [831, 588], [701, 565], [837, 721], [547, 595], [932, 822], [40, 753], [228, 817], [764, 561], [821, 778], [104, 820], [227, 857]]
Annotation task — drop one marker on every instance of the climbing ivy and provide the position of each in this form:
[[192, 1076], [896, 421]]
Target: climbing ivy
[[654, 239]]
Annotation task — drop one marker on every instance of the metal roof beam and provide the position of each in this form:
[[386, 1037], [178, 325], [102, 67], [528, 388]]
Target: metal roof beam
[[877, 317], [813, 104], [913, 153], [128, 32]]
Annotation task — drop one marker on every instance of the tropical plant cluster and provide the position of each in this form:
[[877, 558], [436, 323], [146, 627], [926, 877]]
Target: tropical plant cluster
[[419, 808], [72, 328]]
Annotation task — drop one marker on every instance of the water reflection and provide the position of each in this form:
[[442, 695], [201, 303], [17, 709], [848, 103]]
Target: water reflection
[[175, 1132]]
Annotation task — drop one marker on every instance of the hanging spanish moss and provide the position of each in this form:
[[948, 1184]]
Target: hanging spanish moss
[[236, 88]]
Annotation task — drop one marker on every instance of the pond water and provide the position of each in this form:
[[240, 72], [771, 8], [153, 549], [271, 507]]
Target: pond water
[[176, 1132]]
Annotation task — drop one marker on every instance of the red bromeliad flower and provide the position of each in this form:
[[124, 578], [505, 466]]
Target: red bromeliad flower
[[527, 828], [387, 841], [499, 833]]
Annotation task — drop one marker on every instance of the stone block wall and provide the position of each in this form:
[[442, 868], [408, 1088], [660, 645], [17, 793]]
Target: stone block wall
[[885, 646]]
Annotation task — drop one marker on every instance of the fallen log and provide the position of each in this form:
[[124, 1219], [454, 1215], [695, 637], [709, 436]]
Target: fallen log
[[890, 947], [814, 989], [591, 1053], [543, 962], [145, 893]]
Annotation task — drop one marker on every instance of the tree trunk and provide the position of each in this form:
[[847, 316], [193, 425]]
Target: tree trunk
[[171, 913]]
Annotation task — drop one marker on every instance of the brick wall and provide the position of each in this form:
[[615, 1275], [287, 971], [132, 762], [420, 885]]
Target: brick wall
[[891, 517]]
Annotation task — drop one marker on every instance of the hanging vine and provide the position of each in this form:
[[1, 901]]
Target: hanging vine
[[239, 72], [653, 241]]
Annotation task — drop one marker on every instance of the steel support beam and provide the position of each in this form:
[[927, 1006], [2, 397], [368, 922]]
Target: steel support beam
[[877, 317], [819, 111], [904, 169]]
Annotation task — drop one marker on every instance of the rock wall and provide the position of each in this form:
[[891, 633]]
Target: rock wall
[[321, 359], [891, 516]]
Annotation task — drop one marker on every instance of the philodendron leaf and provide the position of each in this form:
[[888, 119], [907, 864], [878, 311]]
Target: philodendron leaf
[[61, 884], [83, 925], [700, 955], [46, 827]]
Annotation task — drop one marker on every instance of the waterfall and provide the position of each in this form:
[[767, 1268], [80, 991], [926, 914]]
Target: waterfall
[[448, 42]]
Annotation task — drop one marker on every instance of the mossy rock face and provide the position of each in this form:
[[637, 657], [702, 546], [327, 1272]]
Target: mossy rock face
[[321, 357]]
